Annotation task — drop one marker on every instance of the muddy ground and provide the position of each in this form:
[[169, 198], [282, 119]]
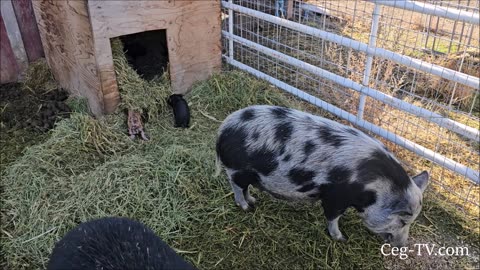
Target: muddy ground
[[25, 118], [33, 110]]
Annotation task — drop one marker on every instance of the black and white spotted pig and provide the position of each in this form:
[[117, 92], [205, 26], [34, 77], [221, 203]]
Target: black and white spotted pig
[[294, 155], [113, 243]]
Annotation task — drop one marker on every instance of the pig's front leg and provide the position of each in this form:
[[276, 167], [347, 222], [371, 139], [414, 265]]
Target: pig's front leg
[[143, 135], [334, 231], [333, 210]]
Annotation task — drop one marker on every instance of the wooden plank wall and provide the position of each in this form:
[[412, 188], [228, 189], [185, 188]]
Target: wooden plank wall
[[68, 44], [20, 39], [8, 64], [28, 28]]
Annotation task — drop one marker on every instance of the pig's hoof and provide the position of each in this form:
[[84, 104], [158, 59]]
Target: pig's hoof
[[244, 207], [337, 236], [251, 206], [341, 238]]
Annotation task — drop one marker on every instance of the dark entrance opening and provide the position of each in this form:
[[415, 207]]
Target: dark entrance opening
[[147, 52]]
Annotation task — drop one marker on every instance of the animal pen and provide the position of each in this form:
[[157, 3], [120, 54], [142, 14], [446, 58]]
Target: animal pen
[[406, 71]]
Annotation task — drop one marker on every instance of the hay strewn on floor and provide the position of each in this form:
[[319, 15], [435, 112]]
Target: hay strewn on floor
[[89, 168], [39, 77], [137, 94]]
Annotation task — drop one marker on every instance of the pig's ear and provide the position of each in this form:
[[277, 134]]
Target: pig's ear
[[421, 180]]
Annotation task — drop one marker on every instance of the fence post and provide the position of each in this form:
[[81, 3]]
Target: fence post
[[14, 35], [368, 65], [289, 9], [230, 30]]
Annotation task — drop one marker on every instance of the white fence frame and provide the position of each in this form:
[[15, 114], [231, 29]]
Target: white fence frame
[[371, 51]]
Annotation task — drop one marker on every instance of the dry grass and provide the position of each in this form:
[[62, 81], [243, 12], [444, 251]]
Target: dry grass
[[89, 168], [146, 97], [38, 77]]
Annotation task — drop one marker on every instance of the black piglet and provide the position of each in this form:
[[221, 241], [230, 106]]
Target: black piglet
[[181, 112]]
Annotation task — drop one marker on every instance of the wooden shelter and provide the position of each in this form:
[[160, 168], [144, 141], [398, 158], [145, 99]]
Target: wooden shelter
[[76, 39]]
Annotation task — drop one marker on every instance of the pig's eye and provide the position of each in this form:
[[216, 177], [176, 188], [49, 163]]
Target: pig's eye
[[403, 223]]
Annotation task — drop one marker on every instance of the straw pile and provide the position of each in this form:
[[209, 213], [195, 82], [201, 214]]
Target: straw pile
[[137, 94], [89, 168]]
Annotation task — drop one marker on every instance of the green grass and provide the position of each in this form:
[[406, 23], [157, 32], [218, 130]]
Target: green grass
[[88, 168]]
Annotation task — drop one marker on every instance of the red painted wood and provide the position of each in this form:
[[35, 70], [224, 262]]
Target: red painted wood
[[8, 64], [28, 28]]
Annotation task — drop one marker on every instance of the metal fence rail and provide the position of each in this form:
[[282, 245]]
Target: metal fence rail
[[445, 73], [318, 51], [420, 150]]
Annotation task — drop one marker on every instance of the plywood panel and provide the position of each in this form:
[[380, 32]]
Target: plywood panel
[[68, 45], [194, 42], [136, 16], [28, 29], [8, 64]]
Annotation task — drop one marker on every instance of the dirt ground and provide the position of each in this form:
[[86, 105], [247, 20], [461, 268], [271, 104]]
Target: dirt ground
[[35, 111]]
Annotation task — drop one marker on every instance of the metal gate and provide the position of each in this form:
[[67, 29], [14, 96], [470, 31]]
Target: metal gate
[[381, 66]]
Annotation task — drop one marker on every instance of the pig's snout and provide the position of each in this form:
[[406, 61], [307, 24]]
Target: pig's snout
[[400, 241]]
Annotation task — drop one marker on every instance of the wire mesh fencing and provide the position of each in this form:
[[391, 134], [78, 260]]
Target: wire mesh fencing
[[404, 71]]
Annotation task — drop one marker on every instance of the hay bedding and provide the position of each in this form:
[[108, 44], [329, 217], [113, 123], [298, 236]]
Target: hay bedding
[[89, 168]]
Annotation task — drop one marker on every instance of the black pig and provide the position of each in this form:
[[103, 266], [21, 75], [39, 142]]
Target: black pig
[[181, 112], [114, 243]]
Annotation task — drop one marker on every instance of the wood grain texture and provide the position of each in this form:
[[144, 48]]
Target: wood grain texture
[[28, 29], [14, 36], [193, 36], [68, 45], [8, 65]]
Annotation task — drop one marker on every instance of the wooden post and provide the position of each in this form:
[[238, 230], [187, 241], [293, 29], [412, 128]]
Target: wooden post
[[8, 64], [289, 9], [28, 29], [14, 35]]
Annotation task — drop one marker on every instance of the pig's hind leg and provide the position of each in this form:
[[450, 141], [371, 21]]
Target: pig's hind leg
[[240, 181], [251, 200]]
